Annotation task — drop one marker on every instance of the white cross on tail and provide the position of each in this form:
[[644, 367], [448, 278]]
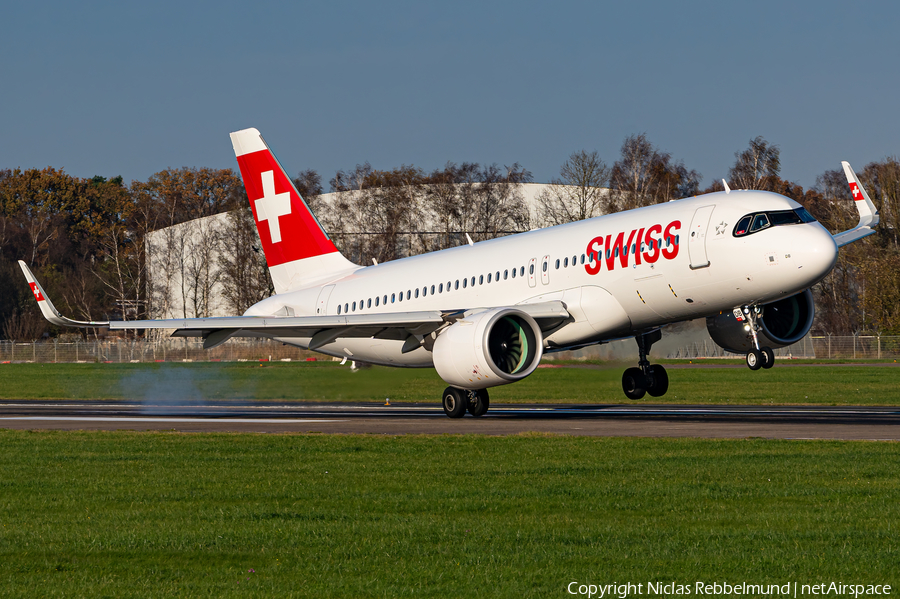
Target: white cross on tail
[[272, 205]]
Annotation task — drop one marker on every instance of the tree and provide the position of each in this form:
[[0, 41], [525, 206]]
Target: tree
[[245, 276], [757, 167], [309, 184], [644, 176], [499, 206], [578, 193]]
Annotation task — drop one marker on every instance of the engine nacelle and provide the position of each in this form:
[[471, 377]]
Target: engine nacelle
[[490, 348], [783, 322]]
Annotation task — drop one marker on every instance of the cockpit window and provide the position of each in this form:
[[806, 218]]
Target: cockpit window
[[760, 222], [751, 223]]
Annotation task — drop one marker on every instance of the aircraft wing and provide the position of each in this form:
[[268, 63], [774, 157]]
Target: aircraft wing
[[868, 213], [322, 330]]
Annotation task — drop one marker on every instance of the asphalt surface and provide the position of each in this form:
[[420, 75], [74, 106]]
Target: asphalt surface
[[639, 419]]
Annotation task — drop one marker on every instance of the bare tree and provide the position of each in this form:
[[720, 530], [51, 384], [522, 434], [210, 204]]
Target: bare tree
[[579, 192], [245, 277], [757, 167], [644, 176]]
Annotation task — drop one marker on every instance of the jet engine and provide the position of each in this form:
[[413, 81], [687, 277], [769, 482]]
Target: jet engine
[[781, 323], [490, 348]]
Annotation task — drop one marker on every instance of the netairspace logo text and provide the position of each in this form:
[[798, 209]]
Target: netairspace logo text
[[718, 589]]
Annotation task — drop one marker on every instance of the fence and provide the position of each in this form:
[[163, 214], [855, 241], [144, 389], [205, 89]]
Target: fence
[[857, 347], [141, 350]]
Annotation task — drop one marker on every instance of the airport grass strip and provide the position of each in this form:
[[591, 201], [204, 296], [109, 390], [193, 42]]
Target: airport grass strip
[[186, 383], [165, 514]]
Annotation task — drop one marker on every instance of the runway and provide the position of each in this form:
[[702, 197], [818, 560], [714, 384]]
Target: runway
[[645, 420]]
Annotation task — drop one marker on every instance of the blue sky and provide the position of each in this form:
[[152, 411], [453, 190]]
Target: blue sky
[[132, 88]]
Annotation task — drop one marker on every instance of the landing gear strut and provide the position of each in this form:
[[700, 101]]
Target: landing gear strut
[[457, 401], [758, 357], [648, 378]]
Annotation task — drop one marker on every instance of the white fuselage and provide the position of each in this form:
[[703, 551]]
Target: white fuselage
[[699, 269]]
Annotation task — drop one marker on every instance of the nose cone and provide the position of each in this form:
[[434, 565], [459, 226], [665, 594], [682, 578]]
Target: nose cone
[[815, 251]]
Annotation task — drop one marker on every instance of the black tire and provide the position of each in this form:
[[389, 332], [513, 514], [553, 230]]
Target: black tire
[[479, 402], [659, 381], [754, 359], [768, 357], [454, 402], [633, 383]]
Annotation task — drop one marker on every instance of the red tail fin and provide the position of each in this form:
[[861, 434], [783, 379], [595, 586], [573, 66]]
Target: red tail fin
[[297, 249]]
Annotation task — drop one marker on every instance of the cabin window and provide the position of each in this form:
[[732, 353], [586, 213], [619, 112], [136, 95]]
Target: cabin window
[[409, 294], [582, 258], [566, 262], [456, 285], [393, 297], [432, 289], [522, 271], [385, 300], [489, 277], [346, 308], [480, 280], [505, 274], [448, 285], [465, 282], [574, 260], [376, 301], [354, 306], [401, 296], [514, 273], [544, 267], [417, 292], [441, 288], [369, 303], [497, 276], [557, 264], [339, 308], [531, 269], [473, 281]]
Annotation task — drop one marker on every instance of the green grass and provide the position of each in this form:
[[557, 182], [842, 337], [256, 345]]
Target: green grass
[[826, 385], [157, 514]]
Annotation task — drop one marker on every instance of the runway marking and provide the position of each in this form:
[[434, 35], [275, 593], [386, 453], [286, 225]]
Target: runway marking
[[151, 419]]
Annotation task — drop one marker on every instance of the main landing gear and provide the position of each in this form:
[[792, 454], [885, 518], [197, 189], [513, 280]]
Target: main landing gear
[[758, 357], [457, 401], [648, 378]]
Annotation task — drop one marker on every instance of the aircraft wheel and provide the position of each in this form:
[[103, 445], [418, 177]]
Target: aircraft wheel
[[633, 383], [479, 402], [768, 357], [454, 401], [754, 359], [659, 381]]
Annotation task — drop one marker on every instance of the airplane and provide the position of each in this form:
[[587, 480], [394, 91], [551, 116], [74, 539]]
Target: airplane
[[483, 314]]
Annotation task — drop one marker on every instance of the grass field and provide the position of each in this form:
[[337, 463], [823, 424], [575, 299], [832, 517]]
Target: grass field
[[164, 514], [784, 384]]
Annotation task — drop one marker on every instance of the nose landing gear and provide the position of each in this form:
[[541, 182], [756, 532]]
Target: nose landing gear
[[758, 357], [648, 378]]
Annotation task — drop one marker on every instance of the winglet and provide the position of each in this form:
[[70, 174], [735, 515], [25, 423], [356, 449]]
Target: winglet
[[868, 213], [47, 308]]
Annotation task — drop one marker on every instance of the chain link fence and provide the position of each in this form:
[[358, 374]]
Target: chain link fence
[[142, 350], [857, 347]]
